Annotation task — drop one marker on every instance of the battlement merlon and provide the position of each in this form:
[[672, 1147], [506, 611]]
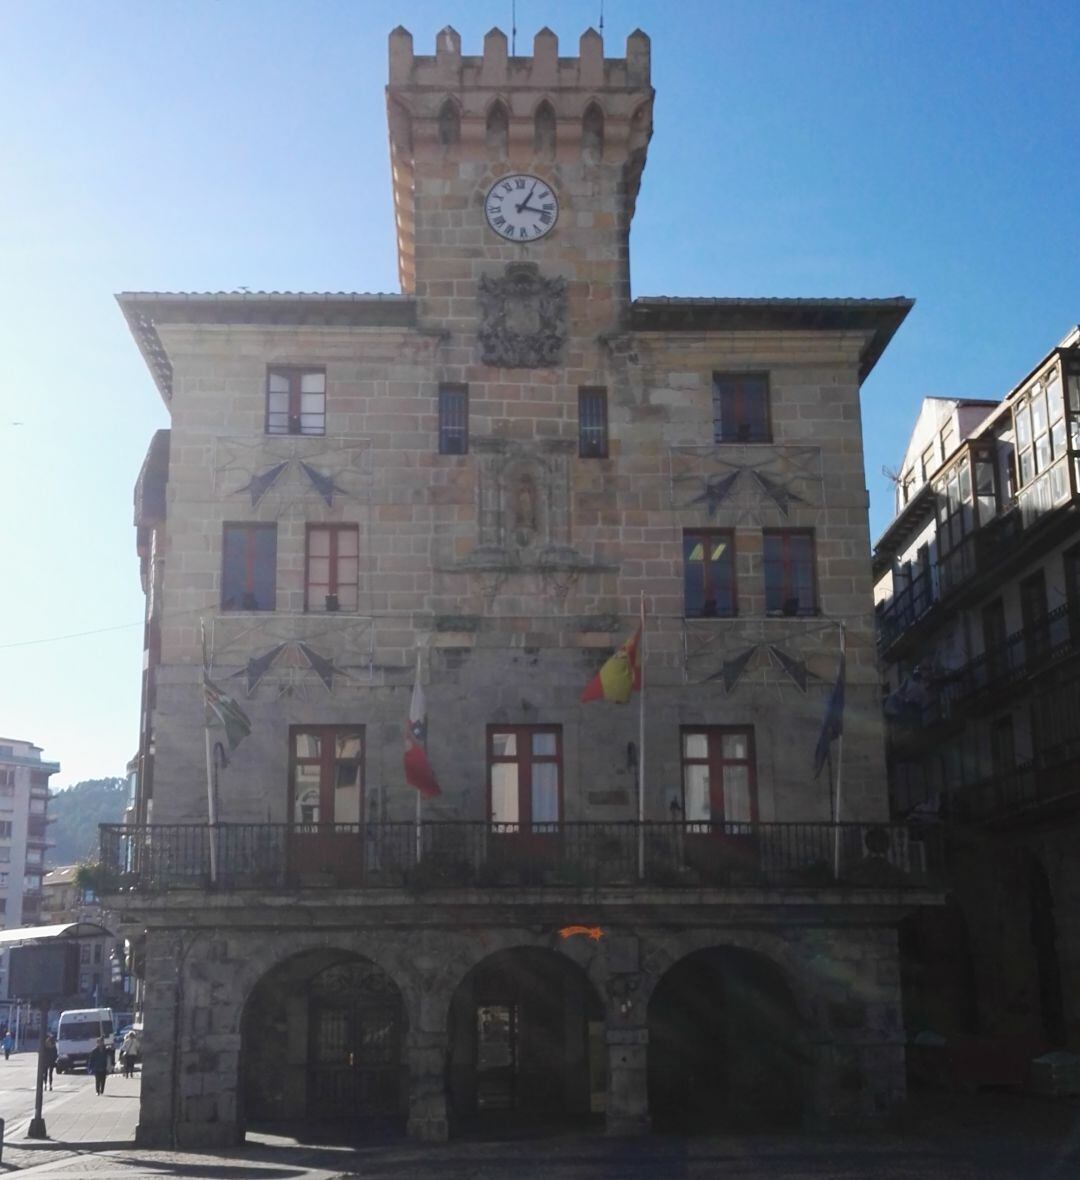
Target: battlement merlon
[[545, 71]]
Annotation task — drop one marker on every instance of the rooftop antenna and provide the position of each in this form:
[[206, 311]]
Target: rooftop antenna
[[513, 28], [601, 30]]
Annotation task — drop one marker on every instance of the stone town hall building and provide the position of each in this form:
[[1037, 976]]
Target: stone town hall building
[[494, 469]]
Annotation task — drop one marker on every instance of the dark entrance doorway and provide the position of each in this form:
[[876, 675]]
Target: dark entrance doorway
[[725, 1049], [323, 1042], [526, 1043]]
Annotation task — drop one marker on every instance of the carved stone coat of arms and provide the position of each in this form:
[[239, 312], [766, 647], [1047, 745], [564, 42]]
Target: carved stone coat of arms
[[522, 318]]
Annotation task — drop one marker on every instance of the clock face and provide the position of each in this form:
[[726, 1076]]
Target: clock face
[[521, 208]]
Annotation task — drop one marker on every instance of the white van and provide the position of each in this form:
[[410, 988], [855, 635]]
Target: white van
[[77, 1033]]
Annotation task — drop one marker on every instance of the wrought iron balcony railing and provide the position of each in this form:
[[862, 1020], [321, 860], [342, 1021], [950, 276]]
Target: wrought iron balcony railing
[[1051, 638], [473, 855], [1027, 787]]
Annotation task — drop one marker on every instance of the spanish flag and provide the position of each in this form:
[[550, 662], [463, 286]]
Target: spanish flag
[[619, 677]]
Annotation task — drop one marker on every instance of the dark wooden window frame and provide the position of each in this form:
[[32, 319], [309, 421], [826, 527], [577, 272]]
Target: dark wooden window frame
[[335, 531], [453, 419], [525, 760], [247, 593], [707, 536], [592, 422], [326, 761], [734, 419], [716, 762], [787, 595], [294, 374]]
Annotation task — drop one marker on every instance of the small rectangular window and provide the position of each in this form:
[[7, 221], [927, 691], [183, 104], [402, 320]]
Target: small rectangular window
[[592, 423], [295, 401], [333, 567], [249, 567], [790, 582], [741, 408], [5, 829], [709, 574], [453, 419]]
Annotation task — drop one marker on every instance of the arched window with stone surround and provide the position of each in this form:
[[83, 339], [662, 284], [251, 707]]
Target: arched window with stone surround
[[544, 130], [498, 128], [449, 123], [592, 134]]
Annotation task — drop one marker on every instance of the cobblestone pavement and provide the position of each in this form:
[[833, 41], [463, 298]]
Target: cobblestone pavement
[[985, 1137]]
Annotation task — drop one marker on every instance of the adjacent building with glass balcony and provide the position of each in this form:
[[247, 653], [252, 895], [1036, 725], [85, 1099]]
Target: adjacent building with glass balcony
[[978, 610]]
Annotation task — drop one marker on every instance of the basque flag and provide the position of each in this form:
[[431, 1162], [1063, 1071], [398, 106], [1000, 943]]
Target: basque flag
[[418, 772]]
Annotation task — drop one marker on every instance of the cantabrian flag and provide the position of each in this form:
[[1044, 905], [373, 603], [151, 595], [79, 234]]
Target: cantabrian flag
[[618, 679], [418, 771]]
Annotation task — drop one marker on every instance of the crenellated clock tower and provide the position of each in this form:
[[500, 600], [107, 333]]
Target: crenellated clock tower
[[514, 185]]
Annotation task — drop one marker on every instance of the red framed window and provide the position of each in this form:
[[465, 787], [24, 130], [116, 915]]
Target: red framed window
[[525, 777], [249, 567], [719, 775], [295, 401], [332, 567], [326, 774], [741, 408], [790, 578], [453, 419], [592, 422], [709, 574]]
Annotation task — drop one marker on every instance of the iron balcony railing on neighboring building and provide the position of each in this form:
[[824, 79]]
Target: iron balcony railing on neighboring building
[[980, 552], [1029, 786], [1045, 641], [477, 855]]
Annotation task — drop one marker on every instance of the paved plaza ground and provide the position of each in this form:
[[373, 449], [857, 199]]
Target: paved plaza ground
[[945, 1137]]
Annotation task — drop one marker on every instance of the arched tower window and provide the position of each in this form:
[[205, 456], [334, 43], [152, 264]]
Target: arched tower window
[[498, 129], [449, 124], [544, 130], [592, 134]]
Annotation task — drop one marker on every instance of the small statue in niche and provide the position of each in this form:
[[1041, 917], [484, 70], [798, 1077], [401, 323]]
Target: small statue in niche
[[525, 512]]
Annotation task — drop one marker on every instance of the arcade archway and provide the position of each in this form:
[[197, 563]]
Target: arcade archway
[[526, 1042], [725, 1049], [323, 1041]]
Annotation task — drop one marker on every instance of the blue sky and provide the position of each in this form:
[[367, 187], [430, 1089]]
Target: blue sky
[[800, 149]]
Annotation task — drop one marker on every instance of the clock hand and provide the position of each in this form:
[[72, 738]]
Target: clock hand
[[525, 204]]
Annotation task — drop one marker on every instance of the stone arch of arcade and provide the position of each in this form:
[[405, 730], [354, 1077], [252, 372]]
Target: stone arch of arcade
[[525, 1040], [727, 1042], [323, 1038]]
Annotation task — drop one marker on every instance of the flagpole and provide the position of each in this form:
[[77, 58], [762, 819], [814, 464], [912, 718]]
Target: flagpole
[[211, 802], [641, 747], [419, 794], [839, 769]]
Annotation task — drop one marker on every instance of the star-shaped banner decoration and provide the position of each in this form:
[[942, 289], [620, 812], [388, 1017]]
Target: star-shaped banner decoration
[[258, 666], [322, 667], [716, 492], [731, 670], [796, 669], [261, 483], [780, 495], [323, 484]]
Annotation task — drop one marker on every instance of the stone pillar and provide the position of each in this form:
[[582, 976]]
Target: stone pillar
[[627, 1082], [427, 1054], [156, 1093]]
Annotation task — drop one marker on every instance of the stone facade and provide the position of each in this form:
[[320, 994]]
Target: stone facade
[[515, 565]]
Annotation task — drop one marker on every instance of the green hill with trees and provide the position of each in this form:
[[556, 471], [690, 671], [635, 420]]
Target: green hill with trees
[[77, 812]]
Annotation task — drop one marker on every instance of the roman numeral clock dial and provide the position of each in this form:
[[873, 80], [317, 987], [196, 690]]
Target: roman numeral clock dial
[[521, 208]]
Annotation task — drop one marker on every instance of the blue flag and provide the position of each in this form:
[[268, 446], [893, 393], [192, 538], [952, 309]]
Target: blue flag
[[833, 724]]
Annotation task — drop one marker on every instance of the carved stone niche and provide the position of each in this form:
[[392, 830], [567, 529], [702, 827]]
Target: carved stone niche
[[524, 507], [522, 318]]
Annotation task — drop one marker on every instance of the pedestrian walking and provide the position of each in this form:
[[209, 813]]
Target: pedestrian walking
[[129, 1052], [48, 1063], [98, 1064], [8, 1042]]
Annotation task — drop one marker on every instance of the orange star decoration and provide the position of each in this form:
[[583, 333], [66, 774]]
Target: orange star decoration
[[593, 932]]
